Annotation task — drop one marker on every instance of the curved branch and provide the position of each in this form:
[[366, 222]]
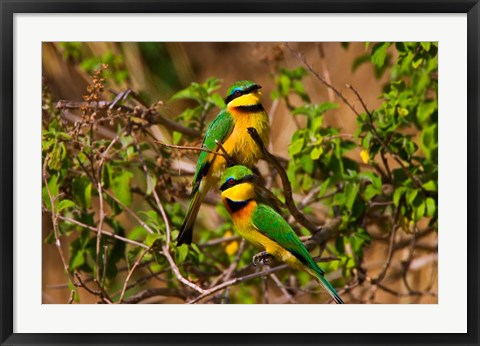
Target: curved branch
[[287, 187]]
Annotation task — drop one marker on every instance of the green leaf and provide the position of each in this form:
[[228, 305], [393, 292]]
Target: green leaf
[[56, 156], [351, 192], [77, 259], [283, 83], [106, 176], [296, 147], [340, 245], [151, 183], [399, 192], [431, 206], [430, 186], [121, 187], [425, 110], [429, 141], [370, 192], [187, 93], [151, 239], [323, 187], [153, 220], [181, 253], [360, 61], [371, 177], [379, 54], [307, 182], [138, 233], [307, 164], [316, 152], [326, 106], [417, 63], [300, 90], [419, 212], [177, 136], [82, 191], [426, 45], [411, 194], [218, 101], [63, 204]]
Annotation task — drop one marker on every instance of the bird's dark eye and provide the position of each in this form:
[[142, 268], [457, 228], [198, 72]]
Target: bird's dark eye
[[237, 92], [230, 181]]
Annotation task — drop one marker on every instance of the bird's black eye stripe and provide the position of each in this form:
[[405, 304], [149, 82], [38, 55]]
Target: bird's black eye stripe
[[232, 182], [238, 93], [224, 186]]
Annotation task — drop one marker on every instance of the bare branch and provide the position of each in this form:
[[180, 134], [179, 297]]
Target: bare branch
[[130, 273]]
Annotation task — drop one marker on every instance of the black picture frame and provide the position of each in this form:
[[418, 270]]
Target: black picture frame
[[9, 8]]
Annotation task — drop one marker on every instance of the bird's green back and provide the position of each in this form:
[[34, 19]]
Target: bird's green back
[[219, 130], [274, 226]]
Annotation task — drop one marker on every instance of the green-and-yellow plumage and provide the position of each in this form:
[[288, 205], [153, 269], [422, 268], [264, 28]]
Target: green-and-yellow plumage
[[243, 110], [263, 226]]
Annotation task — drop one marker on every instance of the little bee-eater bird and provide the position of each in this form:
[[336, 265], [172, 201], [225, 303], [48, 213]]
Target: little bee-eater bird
[[243, 110], [261, 225]]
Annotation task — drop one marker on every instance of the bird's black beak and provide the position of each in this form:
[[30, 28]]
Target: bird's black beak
[[248, 178], [255, 88]]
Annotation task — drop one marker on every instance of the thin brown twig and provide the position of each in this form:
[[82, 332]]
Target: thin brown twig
[[72, 296], [282, 288], [130, 273], [101, 209], [234, 281], [100, 293], [177, 273], [55, 221], [391, 248], [320, 78], [130, 211], [154, 190], [105, 262], [326, 73], [81, 283], [219, 241], [183, 147], [107, 233]]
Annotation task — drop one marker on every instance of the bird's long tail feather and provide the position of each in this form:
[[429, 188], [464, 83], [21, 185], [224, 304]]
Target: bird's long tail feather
[[326, 285], [186, 232]]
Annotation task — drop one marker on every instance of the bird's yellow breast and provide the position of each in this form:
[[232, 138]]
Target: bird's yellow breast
[[240, 145]]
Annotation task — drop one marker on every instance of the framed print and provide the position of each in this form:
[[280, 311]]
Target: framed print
[[189, 173]]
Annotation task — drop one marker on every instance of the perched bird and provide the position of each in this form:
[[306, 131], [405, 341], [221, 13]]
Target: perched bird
[[264, 227], [243, 110]]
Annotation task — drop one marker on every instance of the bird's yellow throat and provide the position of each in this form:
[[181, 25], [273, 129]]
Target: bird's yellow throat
[[239, 201], [240, 192]]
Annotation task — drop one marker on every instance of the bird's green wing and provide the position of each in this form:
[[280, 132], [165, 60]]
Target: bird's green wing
[[274, 226], [219, 129]]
